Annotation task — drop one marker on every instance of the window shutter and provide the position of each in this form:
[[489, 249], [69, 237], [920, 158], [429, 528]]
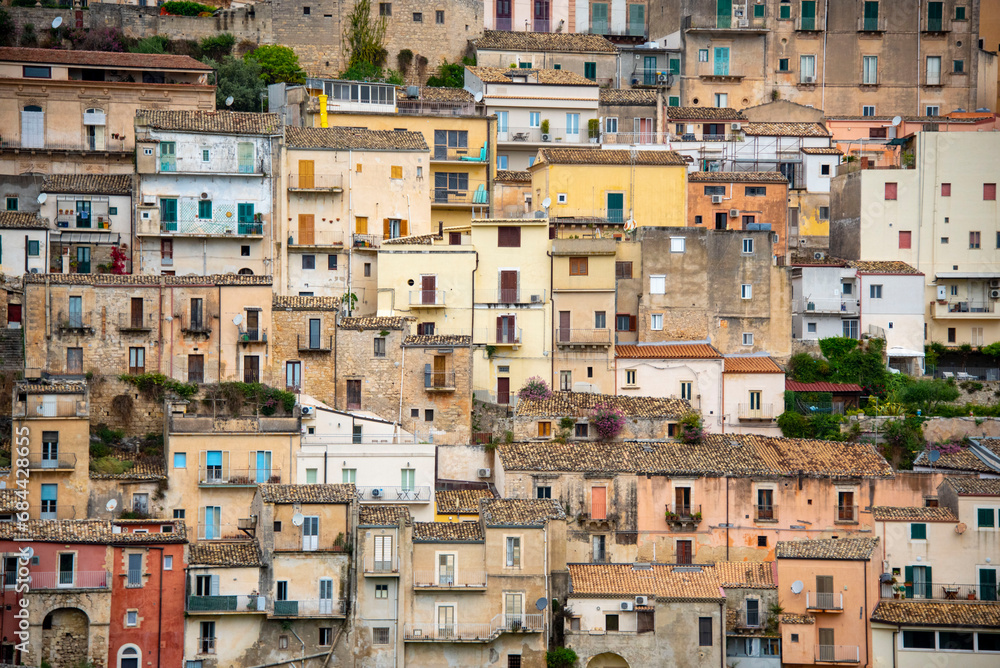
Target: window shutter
[[202, 467], [215, 585], [928, 586], [427, 375], [404, 228], [201, 514], [225, 463], [890, 191], [631, 323], [989, 191], [499, 329], [908, 579], [385, 228], [253, 459]]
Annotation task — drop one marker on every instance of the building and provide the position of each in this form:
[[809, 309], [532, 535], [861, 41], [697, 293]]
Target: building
[[912, 216], [302, 348], [588, 55], [979, 459], [558, 16], [753, 394], [535, 107], [459, 505], [610, 186], [950, 634], [205, 195], [740, 201], [512, 193], [93, 215], [752, 612], [25, 240], [633, 116]]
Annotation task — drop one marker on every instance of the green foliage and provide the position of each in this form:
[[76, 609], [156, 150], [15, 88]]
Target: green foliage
[[29, 38], [835, 348], [823, 426], [278, 64], [370, 72], [404, 59], [690, 429], [109, 436], [110, 465], [904, 439], [258, 396], [364, 36], [7, 28], [993, 349], [451, 75], [186, 8], [98, 450], [151, 44], [560, 657], [156, 385], [218, 46], [927, 394], [971, 386], [241, 79], [805, 368]]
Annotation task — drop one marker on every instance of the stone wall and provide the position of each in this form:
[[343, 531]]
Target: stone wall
[[146, 416], [291, 343], [437, 42], [451, 407], [462, 462], [380, 376]]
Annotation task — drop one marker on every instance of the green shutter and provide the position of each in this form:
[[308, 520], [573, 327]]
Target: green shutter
[[590, 71], [935, 11], [985, 518], [675, 65], [785, 12], [808, 14], [928, 589], [674, 101], [758, 11], [908, 580], [724, 14], [918, 532]]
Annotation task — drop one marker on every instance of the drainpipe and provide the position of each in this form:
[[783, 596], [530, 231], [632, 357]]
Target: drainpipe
[[868, 628], [303, 664], [727, 518], [472, 325], [826, 31], [552, 346], [402, 367], [722, 630], [722, 408], [159, 611], [219, 339], [548, 608]]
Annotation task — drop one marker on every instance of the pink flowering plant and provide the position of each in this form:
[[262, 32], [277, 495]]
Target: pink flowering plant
[[608, 421], [534, 388], [691, 431]]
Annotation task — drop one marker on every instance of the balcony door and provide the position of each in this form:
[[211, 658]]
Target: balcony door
[[261, 463], [503, 15], [32, 127], [83, 211], [66, 562], [326, 596], [310, 533], [50, 449], [826, 645], [50, 500], [616, 207], [428, 289], [307, 228], [446, 569], [988, 584], [564, 330], [382, 558], [541, 16], [446, 621], [82, 260], [503, 391], [251, 369], [824, 593]]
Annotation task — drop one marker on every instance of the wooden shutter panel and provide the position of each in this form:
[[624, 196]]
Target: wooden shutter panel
[[404, 228], [631, 323], [225, 463], [928, 588], [908, 580], [307, 229], [386, 228], [215, 585], [202, 466], [427, 375]]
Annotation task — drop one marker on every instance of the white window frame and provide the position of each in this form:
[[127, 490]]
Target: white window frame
[[748, 246], [869, 70], [678, 244], [654, 279], [656, 322], [631, 377], [561, 198], [746, 291], [748, 338], [508, 552], [868, 110], [611, 125]]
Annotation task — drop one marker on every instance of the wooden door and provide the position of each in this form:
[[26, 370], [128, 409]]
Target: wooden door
[[136, 312], [503, 390], [307, 176], [684, 552], [508, 287], [428, 289], [824, 592], [361, 225], [598, 503], [845, 507], [354, 394], [440, 364], [251, 369], [564, 325], [307, 226], [196, 368], [13, 314], [682, 501]]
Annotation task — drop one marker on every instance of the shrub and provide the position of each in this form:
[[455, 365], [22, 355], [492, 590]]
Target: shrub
[[7, 28], [926, 394], [560, 657], [110, 466], [155, 385], [217, 47], [404, 59], [109, 436], [186, 8], [28, 36], [151, 44], [278, 64], [608, 421], [691, 429], [534, 388]]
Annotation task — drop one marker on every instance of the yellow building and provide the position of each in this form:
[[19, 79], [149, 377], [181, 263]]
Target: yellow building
[[611, 186]]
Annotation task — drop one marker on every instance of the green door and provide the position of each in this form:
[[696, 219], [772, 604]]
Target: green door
[[935, 11], [987, 584], [724, 14], [649, 70], [82, 260], [244, 217], [637, 20], [722, 61], [168, 215], [871, 16], [808, 14], [83, 213], [616, 207]]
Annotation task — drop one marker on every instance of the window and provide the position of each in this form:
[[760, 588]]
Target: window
[[385, 9], [686, 389], [704, 631], [715, 190], [748, 338], [379, 346], [756, 191], [611, 622], [179, 513], [958, 66], [875, 291], [381, 591], [807, 69], [205, 209], [12, 204], [677, 244], [869, 70], [933, 71], [36, 72], [600, 320], [985, 518], [989, 192], [513, 552], [439, 17], [368, 270], [572, 124], [508, 237], [611, 124], [380, 635], [534, 119], [396, 172], [624, 322], [811, 327], [561, 198], [918, 640], [418, 17], [543, 492], [974, 239], [721, 100], [905, 239], [136, 361], [746, 291], [748, 246], [33, 248], [824, 211], [989, 642], [721, 62], [513, 661], [623, 270], [590, 71], [74, 360], [932, 110], [578, 266], [918, 532], [544, 429], [582, 430], [761, 541], [702, 55], [890, 191], [630, 377], [868, 110], [658, 284], [955, 640]]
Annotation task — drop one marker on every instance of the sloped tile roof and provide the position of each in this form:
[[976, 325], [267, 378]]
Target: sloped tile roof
[[704, 113], [963, 460], [822, 150], [598, 156], [746, 574], [750, 364], [438, 94], [224, 122], [22, 220], [431, 340], [914, 514], [962, 614], [354, 139], [973, 486], [737, 177], [8, 500], [447, 532], [86, 184], [796, 386], [242, 554], [145, 61], [505, 75], [143, 468], [883, 267], [830, 549], [413, 240], [519, 512], [633, 97], [382, 515], [148, 279], [795, 618], [665, 351], [373, 322], [826, 260], [85, 531], [299, 303], [276, 493], [581, 404], [511, 176], [659, 580], [507, 40], [785, 130], [460, 501]]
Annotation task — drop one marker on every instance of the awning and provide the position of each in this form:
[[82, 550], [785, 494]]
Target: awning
[[904, 352], [93, 238], [966, 274], [898, 141]]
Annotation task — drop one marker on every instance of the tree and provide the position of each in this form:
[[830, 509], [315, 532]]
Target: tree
[[218, 46], [278, 64], [8, 30], [240, 78], [927, 394], [560, 657], [904, 439], [364, 36], [451, 75]]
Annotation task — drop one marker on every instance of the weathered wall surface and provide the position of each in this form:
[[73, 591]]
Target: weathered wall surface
[[145, 417], [462, 462]]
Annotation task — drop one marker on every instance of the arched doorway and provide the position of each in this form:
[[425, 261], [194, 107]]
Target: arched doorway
[[129, 656], [607, 660], [65, 637]]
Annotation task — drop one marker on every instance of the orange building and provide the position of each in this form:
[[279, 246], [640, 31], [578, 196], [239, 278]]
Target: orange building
[[740, 201]]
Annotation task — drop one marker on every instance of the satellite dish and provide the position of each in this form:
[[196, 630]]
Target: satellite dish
[[541, 603], [547, 202], [238, 320], [797, 587], [28, 552], [229, 101], [297, 519], [897, 120], [112, 504], [56, 22], [934, 455], [478, 96], [42, 197]]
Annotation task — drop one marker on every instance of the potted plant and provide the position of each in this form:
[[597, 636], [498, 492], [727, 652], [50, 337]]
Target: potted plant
[[671, 516], [594, 130], [696, 517], [545, 130], [898, 591], [73, 264]]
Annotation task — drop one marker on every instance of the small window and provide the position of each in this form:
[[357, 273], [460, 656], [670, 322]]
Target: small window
[[179, 513], [561, 198], [824, 170], [630, 377], [702, 55], [206, 155], [385, 9], [657, 284], [543, 492], [544, 429], [12, 204], [611, 622], [748, 338], [945, 190], [704, 631], [974, 240], [180, 460], [918, 532], [677, 244], [379, 346], [418, 17], [918, 640], [890, 191], [959, 13], [578, 266], [985, 518], [429, 415], [396, 172], [958, 66], [308, 261], [756, 191], [933, 110], [132, 618], [811, 327], [944, 240], [380, 635], [168, 560], [824, 213], [623, 270], [875, 291], [37, 72], [305, 11], [989, 191], [331, 262], [951, 335], [244, 251], [761, 541], [905, 239], [276, 527], [748, 246], [783, 65], [33, 248], [414, 412], [508, 237], [325, 636], [381, 591], [368, 269], [582, 430], [746, 291], [868, 110], [656, 322]]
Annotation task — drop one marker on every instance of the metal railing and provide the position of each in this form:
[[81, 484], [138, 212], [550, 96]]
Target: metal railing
[[70, 580], [427, 297], [309, 343], [62, 461], [140, 323], [568, 337], [847, 514], [366, 240], [866, 24], [239, 603], [439, 380], [502, 23], [65, 406], [252, 334], [390, 565], [636, 138], [755, 411], [463, 579], [556, 135], [204, 227], [765, 513], [827, 305], [491, 337], [808, 24], [133, 579], [318, 182], [110, 146], [824, 601], [206, 645], [510, 296], [943, 592], [683, 512], [470, 196], [415, 494], [838, 654], [942, 24], [441, 108], [750, 619], [210, 475], [319, 607], [463, 154], [74, 322], [470, 631], [973, 308], [385, 437], [319, 238], [227, 532]]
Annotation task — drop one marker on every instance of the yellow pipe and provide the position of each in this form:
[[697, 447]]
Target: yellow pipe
[[322, 112]]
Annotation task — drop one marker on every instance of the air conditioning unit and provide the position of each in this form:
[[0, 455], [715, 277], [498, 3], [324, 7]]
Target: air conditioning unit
[[734, 213], [34, 271], [818, 255], [205, 196], [376, 493], [995, 283], [149, 200], [483, 473], [716, 199], [808, 80], [627, 605], [663, 79], [642, 600], [307, 410], [737, 126], [546, 137], [536, 299], [994, 294], [743, 23]]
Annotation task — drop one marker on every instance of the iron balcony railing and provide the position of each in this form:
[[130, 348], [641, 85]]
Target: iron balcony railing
[[460, 154], [558, 136], [220, 532], [52, 511], [821, 305], [765, 512], [87, 145], [225, 475], [471, 631], [567, 337], [70, 580], [206, 645], [427, 298], [75, 322], [252, 334], [239, 603], [322, 238], [751, 411], [321, 607], [415, 494], [824, 601], [439, 380], [314, 343], [477, 195], [636, 138], [64, 461], [460, 579], [366, 240], [686, 512], [873, 24], [942, 592], [386, 566], [133, 579], [490, 336], [128, 322], [847, 514], [838, 654], [318, 182], [510, 296]]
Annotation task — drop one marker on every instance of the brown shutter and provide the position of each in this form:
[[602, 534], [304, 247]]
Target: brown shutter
[[631, 323], [386, 228], [306, 174], [404, 228], [499, 329], [307, 226], [361, 225]]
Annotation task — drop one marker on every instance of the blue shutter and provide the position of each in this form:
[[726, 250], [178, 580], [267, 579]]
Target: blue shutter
[[427, 375], [908, 579]]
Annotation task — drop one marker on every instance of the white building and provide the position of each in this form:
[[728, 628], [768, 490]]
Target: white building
[[753, 394], [206, 186], [24, 243], [527, 102], [387, 464]]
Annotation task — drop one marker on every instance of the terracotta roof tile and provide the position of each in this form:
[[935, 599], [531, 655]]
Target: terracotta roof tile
[[963, 460], [796, 386], [45, 386], [632, 97], [506, 40], [939, 613], [438, 94], [8, 500], [751, 364], [373, 322], [822, 150], [447, 532], [22, 220], [275, 493], [97, 184], [972, 486], [354, 139], [659, 580], [104, 280], [431, 340], [143, 468], [581, 404], [519, 512], [460, 501], [704, 113], [737, 177], [511, 176], [785, 130], [86, 531], [663, 351], [145, 61], [795, 618], [300, 303], [746, 574], [224, 122], [825, 260], [598, 156], [830, 549], [883, 267], [505, 75], [413, 240], [912, 514], [245, 554], [382, 515]]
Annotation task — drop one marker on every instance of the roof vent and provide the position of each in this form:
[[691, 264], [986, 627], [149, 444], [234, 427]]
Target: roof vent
[[412, 91], [735, 444], [642, 567]]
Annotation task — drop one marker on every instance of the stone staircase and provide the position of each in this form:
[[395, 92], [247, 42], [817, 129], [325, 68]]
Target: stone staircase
[[11, 350]]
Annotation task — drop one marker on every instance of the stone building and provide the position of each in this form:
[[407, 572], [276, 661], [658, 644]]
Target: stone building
[[634, 117], [645, 417], [369, 355], [741, 201], [591, 56], [437, 385], [304, 336]]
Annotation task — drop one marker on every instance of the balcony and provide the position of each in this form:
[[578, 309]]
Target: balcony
[[569, 338], [46, 512], [943, 592], [765, 513], [824, 601], [85, 146], [459, 154], [427, 298], [206, 645], [311, 344], [216, 604], [70, 580], [808, 24], [464, 580], [755, 412], [421, 494], [873, 25], [74, 323], [637, 138], [315, 183], [366, 241], [439, 381], [845, 306], [509, 296], [316, 239], [965, 310], [64, 462], [463, 197], [470, 631], [838, 654], [383, 568], [502, 23], [491, 337], [137, 323], [322, 607], [846, 515], [556, 137], [936, 26], [683, 517], [189, 224], [65, 405], [229, 477], [251, 335], [224, 532]]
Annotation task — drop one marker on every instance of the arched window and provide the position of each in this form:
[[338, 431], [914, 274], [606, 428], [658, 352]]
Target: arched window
[[32, 127], [246, 272], [129, 656]]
